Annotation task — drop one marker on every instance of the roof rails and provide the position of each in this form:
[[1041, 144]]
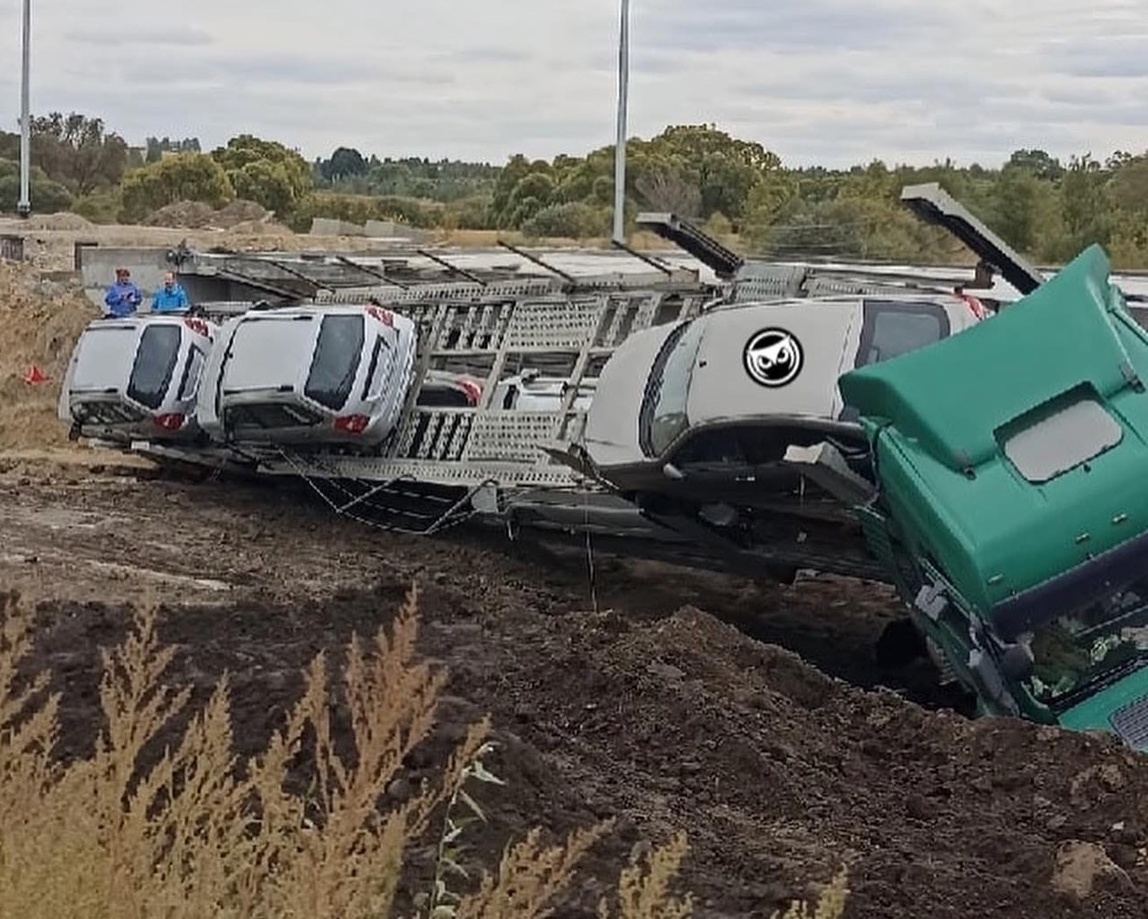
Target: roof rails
[[707, 250], [933, 205]]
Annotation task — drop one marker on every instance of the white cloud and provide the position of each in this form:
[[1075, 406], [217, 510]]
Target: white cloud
[[834, 82]]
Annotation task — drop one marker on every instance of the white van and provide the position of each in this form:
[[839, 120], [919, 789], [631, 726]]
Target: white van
[[308, 375], [137, 378]]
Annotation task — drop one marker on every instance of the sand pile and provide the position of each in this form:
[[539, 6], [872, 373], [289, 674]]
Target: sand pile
[[40, 322]]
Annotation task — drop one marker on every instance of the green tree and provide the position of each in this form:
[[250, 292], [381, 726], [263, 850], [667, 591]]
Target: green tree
[[186, 177], [265, 171], [345, 163], [47, 196], [156, 147], [1038, 163], [1023, 208], [77, 151]]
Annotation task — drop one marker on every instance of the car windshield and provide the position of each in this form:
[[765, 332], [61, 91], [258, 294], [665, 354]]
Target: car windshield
[[1078, 648], [154, 363], [664, 406], [336, 360]]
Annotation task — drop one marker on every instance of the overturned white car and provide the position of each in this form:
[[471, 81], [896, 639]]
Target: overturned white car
[[137, 378], [309, 376]]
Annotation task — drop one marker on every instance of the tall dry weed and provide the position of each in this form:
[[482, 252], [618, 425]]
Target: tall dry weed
[[194, 832]]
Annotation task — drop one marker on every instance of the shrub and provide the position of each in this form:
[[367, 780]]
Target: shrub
[[198, 834], [575, 220]]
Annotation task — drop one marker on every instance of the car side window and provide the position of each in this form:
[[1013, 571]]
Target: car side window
[[892, 328], [191, 374], [368, 389]]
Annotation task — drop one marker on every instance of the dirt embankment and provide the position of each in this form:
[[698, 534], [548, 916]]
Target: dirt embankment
[[40, 321]]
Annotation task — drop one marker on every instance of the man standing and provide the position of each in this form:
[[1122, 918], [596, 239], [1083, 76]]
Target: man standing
[[171, 297], [123, 297]]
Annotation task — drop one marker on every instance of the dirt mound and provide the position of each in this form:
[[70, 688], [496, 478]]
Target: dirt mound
[[195, 215], [61, 221], [241, 211], [40, 322], [651, 712], [191, 215]]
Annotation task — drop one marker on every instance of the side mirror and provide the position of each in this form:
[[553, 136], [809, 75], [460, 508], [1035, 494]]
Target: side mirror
[[672, 472], [1017, 661]]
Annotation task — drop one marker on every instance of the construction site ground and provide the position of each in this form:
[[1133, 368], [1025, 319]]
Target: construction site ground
[[749, 715]]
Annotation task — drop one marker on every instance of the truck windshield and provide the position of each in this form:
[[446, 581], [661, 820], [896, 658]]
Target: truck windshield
[[337, 355], [664, 406], [154, 363], [1080, 647]]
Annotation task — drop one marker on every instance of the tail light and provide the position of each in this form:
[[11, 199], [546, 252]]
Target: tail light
[[170, 422], [473, 390], [975, 305], [386, 317], [352, 424]]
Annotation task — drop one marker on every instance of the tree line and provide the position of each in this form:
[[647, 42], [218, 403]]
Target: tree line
[[737, 189]]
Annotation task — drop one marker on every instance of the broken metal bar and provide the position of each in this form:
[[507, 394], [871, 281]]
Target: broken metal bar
[[248, 280], [569, 278], [367, 269], [442, 261], [648, 259], [724, 262], [287, 269], [933, 205]]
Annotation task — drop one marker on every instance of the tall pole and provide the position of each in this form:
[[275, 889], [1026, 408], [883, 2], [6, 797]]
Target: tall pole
[[620, 145], [24, 206]]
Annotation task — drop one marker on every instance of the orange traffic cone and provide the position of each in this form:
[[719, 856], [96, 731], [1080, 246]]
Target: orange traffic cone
[[35, 375]]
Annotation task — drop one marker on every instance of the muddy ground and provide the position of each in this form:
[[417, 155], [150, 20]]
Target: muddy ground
[[648, 708]]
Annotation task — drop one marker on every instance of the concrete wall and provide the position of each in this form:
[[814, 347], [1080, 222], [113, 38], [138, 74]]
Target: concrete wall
[[329, 226], [380, 229]]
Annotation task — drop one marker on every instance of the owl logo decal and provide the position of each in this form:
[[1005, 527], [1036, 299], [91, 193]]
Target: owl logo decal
[[773, 357]]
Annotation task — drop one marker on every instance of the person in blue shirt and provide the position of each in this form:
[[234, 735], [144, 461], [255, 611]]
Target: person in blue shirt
[[123, 297], [171, 297]]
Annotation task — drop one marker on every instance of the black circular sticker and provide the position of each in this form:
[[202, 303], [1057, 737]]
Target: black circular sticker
[[773, 357]]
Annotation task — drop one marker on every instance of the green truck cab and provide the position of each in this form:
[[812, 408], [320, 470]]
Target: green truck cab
[[1012, 505]]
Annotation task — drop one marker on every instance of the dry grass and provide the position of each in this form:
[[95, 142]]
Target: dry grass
[[198, 834]]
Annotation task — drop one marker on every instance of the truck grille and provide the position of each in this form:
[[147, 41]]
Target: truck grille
[[1131, 723]]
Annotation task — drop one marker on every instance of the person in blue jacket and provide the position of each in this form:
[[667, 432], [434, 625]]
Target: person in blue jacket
[[171, 297], [123, 297]]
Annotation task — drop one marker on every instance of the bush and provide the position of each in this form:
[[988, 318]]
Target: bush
[[198, 834], [100, 206], [574, 220], [182, 177]]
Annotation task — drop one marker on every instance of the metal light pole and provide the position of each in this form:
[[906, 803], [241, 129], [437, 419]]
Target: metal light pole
[[620, 146], [24, 206]]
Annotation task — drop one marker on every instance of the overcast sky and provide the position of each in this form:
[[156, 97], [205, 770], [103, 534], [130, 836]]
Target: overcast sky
[[833, 82]]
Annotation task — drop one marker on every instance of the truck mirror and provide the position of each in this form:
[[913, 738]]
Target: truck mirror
[[1017, 661], [670, 471]]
